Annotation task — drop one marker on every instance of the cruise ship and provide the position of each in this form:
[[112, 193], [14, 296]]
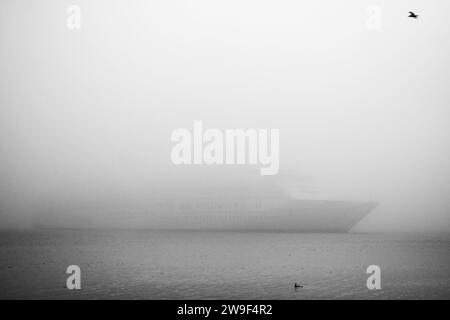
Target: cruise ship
[[245, 211]]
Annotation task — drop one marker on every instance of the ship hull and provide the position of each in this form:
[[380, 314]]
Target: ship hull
[[298, 216]]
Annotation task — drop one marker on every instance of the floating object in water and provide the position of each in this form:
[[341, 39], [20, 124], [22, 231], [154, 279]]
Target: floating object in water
[[296, 285]]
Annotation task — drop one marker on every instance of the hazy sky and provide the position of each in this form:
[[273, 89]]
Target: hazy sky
[[364, 112]]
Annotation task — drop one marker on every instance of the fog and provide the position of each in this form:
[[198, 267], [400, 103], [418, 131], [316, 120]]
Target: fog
[[86, 115]]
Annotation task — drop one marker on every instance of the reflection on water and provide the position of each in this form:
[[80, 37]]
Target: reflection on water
[[222, 265]]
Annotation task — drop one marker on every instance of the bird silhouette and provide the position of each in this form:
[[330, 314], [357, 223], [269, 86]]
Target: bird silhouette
[[296, 286], [413, 15]]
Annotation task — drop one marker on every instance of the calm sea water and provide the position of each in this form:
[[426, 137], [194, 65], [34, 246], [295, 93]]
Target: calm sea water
[[222, 265]]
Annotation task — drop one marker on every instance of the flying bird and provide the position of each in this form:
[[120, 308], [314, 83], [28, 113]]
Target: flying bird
[[413, 15]]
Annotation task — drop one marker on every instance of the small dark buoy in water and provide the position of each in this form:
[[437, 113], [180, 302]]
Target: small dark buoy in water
[[296, 285]]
